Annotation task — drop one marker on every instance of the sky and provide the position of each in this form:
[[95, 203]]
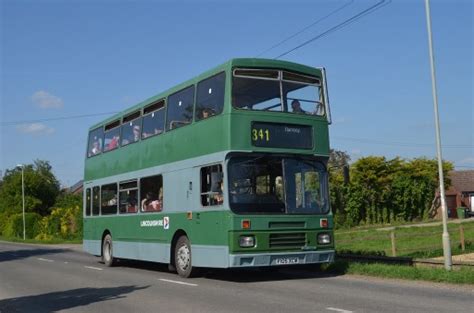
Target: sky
[[64, 59]]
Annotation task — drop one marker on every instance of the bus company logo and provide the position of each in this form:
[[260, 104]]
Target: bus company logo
[[152, 223], [166, 222], [292, 130]]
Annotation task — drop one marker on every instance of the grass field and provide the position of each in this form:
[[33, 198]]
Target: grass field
[[415, 242]]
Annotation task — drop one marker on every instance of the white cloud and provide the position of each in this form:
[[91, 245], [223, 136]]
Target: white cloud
[[35, 129], [46, 100]]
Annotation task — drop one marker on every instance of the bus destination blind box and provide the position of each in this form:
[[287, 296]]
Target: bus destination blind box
[[276, 135]]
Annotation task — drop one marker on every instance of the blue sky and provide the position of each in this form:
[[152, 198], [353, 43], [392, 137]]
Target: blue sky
[[69, 58]]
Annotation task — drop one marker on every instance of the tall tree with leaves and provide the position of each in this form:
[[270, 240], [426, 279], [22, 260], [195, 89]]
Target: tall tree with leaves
[[383, 191], [338, 166], [41, 189]]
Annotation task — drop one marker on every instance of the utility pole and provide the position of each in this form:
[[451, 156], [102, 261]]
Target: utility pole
[[23, 197], [448, 262]]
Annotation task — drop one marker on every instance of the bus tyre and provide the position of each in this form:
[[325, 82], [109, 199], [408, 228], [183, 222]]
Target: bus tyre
[[183, 258], [107, 251]]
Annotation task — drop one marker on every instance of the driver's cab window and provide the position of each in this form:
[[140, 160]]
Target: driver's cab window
[[212, 185], [309, 194]]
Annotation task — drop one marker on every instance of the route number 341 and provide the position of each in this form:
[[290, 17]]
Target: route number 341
[[260, 134]]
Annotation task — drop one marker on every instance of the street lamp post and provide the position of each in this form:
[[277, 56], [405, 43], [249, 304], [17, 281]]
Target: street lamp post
[[448, 262], [23, 197]]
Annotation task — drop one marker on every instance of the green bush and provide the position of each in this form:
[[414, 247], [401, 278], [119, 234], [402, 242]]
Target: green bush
[[3, 222], [383, 191], [62, 223], [14, 225]]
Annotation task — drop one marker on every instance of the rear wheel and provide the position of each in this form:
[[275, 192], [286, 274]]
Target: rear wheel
[[107, 251], [183, 258]]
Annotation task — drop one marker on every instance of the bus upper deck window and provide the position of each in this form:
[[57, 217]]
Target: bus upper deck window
[[210, 96]]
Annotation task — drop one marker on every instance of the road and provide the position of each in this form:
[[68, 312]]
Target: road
[[55, 278]]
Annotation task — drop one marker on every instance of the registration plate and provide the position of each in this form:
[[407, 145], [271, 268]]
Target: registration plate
[[280, 261]]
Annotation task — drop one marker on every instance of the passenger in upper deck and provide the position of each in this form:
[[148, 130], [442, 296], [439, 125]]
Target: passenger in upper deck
[[296, 106], [113, 143], [136, 133], [95, 146], [207, 112]]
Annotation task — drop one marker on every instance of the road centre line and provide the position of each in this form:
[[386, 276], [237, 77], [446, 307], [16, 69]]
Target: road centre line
[[45, 260], [94, 268], [178, 282], [339, 310]]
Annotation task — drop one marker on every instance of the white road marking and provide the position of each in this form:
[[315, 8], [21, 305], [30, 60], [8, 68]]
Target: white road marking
[[45, 260], [94, 268], [66, 262], [178, 282], [338, 310]]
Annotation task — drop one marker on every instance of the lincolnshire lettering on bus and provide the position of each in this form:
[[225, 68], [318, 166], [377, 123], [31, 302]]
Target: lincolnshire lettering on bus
[[152, 223], [292, 130]]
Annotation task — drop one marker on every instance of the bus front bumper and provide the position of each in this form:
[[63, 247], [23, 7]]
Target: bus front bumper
[[281, 258]]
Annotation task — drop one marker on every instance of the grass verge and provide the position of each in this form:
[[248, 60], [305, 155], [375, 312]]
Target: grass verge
[[459, 276], [414, 242]]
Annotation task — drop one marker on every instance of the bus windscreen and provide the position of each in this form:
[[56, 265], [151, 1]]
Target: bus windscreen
[[279, 185]]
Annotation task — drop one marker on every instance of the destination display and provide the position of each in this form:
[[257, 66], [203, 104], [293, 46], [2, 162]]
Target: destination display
[[275, 135]]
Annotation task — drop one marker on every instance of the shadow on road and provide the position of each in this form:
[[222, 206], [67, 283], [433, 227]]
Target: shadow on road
[[62, 300], [250, 275], [12, 255], [254, 275]]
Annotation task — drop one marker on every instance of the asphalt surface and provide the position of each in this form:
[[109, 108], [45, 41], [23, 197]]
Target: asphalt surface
[[63, 278]]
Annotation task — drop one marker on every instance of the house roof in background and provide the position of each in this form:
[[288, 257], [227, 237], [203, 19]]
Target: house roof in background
[[462, 181], [77, 186]]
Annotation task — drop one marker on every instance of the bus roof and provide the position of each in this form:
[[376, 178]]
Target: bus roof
[[237, 62]]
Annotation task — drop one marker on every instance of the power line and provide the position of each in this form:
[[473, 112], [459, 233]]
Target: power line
[[306, 28], [56, 118], [343, 24]]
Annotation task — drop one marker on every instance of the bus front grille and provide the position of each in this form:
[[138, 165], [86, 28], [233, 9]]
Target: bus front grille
[[287, 240]]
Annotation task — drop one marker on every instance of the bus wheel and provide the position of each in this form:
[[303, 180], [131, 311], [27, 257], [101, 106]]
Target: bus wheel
[[183, 258], [107, 251]]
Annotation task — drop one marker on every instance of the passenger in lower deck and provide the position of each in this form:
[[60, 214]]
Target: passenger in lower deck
[[151, 203], [131, 205]]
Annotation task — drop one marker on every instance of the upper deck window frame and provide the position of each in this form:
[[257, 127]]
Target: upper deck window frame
[[208, 111], [156, 107], [112, 126], [95, 142], [282, 76], [170, 105], [133, 121]]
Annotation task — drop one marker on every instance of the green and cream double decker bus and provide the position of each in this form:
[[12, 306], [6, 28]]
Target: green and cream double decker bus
[[227, 170]]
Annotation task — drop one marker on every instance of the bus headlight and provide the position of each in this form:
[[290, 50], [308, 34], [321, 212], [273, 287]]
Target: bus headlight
[[247, 241], [324, 239]]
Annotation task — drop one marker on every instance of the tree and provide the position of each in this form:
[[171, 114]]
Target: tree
[[41, 189], [338, 166], [383, 191]]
